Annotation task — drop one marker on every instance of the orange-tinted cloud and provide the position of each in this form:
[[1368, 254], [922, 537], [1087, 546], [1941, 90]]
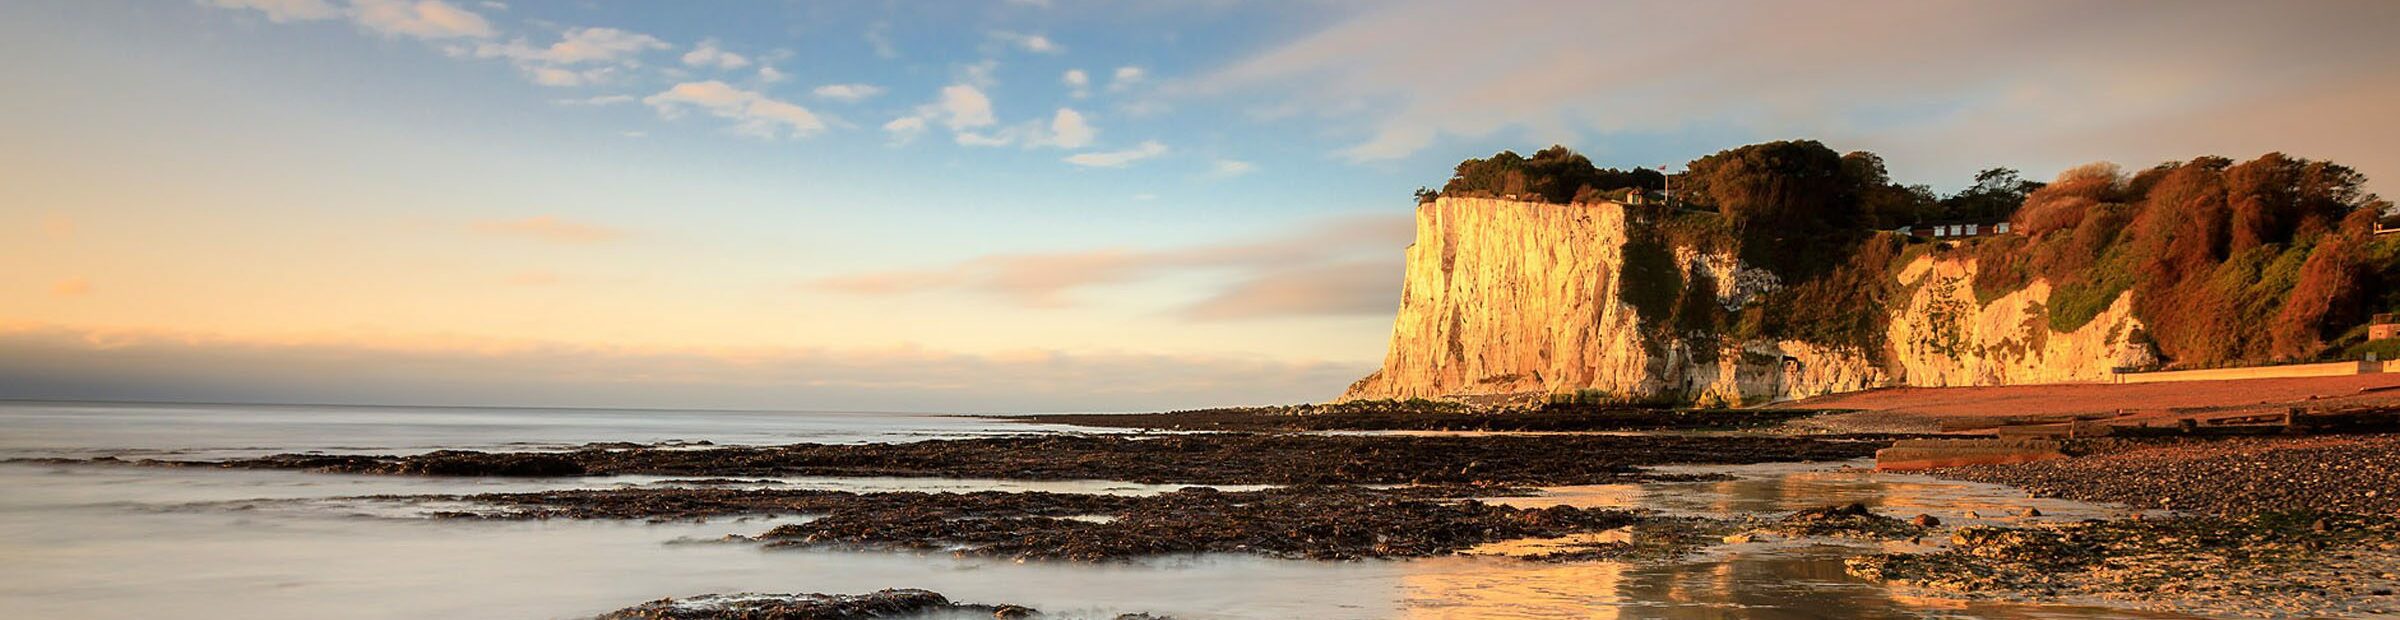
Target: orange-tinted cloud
[[72, 287], [550, 228], [1339, 289], [537, 277], [57, 226], [1048, 280], [1917, 81]]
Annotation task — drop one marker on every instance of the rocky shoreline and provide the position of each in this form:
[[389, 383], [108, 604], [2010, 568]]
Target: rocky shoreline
[[890, 603], [2261, 526], [1205, 458], [1430, 416], [2280, 565], [2355, 474], [1300, 522]]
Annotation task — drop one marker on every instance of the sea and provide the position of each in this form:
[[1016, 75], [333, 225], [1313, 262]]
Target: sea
[[119, 541]]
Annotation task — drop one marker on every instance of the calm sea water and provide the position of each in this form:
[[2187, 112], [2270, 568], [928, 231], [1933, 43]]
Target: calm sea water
[[128, 542]]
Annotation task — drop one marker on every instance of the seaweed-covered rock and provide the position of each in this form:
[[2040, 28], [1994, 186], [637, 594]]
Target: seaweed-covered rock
[[750, 606], [1325, 523], [1203, 458], [1852, 520]]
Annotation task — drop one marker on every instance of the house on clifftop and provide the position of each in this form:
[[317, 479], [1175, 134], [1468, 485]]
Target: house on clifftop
[[1961, 229]]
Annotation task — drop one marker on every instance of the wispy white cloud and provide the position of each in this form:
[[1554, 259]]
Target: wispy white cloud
[[980, 74], [559, 76], [753, 113], [879, 38], [770, 75], [596, 100], [1079, 84], [1127, 77], [1224, 168], [964, 106], [577, 46], [1069, 130], [709, 53], [582, 56], [423, 19], [970, 138], [905, 129], [1035, 43], [847, 92], [1118, 159], [282, 11]]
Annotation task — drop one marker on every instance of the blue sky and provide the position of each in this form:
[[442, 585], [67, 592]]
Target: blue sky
[[958, 205]]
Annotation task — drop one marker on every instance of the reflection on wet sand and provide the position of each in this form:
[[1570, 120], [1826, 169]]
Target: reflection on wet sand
[[1767, 579], [1783, 582], [1785, 487]]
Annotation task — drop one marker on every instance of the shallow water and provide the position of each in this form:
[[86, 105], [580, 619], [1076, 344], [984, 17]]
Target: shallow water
[[116, 542], [209, 431]]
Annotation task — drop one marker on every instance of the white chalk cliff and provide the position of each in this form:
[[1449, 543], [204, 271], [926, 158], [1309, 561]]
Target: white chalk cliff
[[1519, 300]]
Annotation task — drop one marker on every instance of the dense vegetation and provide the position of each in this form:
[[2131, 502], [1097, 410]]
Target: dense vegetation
[[1554, 174], [2267, 260]]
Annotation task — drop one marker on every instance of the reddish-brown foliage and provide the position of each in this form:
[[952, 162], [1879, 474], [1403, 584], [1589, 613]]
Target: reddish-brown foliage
[[2328, 289]]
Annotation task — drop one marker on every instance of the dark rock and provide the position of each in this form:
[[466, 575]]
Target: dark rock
[[879, 604], [1850, 520], [1318, 522], [1210, 458]]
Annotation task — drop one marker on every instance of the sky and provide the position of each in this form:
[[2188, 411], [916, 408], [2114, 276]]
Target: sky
[[1055, 205]]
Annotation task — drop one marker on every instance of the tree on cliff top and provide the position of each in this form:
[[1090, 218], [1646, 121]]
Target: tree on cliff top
[[1556, 174], [1796, 206], [1790, 184]]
